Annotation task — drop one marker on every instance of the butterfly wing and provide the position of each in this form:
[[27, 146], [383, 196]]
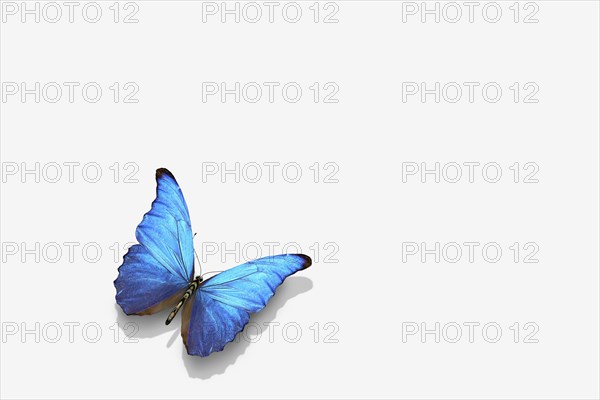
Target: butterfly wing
[[221, 306], [155, 273]]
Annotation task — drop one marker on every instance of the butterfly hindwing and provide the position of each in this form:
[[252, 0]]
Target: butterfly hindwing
[[144, 286], [221, 306], [156, 272]]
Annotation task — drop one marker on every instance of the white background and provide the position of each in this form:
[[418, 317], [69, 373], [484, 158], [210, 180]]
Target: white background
[[371, 295]]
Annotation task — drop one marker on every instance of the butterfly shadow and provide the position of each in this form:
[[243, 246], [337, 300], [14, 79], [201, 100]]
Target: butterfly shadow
[[217, 363]]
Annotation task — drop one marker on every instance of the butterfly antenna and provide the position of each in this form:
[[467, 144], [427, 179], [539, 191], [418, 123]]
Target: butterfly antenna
[[197, 258], [210, 272]]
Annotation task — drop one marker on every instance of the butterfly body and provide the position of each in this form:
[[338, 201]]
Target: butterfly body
[[158, 273], [189, 292]]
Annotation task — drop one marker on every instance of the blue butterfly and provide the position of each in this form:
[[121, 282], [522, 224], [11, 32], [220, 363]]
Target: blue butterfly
[[158, 273]]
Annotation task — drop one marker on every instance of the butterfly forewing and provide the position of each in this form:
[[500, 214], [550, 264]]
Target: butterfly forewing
[[222, 305], [156, 272]]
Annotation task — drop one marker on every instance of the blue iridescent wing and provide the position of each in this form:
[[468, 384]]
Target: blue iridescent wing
[[221, 306], [156, 272]]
